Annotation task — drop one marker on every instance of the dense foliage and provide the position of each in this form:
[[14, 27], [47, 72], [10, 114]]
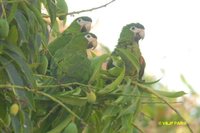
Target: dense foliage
[[32, 101]]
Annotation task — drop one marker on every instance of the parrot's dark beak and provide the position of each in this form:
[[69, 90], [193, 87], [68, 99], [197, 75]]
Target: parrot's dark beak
[[83, 29], [86, 27], [142, 34], [92, 44], [139, 34]]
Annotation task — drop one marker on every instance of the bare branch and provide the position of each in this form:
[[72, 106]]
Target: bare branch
[[78, 12], [140, 130], [91, 9]]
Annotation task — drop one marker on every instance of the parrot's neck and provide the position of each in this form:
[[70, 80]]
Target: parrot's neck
[[126, 39], [126, 43], [73, 29], [77, 46]]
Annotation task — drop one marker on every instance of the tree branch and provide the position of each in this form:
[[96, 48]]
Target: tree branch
[[91, 9], [81, 11], [140, 130]]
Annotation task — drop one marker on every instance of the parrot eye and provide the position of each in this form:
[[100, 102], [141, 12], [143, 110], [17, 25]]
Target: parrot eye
[[132, 28], [79, 20], [88, 36]]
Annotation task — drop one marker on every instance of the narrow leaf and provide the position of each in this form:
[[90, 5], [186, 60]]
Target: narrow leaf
[[22, 26], [51, 7], [62, 125], [75, 101], [22, 65], [114, 84], [96, 64], [134, 61], [170, 94]]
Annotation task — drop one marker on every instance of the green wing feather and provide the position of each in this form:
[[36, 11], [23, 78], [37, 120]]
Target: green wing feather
[[59, 43], [74, 68], [71, 63]]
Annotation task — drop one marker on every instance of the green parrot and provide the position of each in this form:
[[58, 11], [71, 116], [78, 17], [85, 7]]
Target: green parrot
[[129, 41], [80, 24], [71, 63]]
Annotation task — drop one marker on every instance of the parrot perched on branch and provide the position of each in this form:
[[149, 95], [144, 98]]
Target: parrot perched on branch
[[80, 24], [71, 63], [129, 43]]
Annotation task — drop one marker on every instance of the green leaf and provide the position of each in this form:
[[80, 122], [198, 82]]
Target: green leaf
[[3, 107], [107, 127], [187, 84], [95, 119], [72, 100], [133, 59], [126, 126], [3, 75], [110, 112], [96, 64], [13, 35], [115, 71], [126, 90], [16, 124], [109, 88], [28, 124], [25, 121], [71, 128], [19, 123], [40, 20], [51, 7], [33, 25], [14, 49], [62, 125], [22, 24], [23, 67], [170, 94], [16, 79], [55, 29], [134, 103], [11, 71], [12, 12], [150, 82], [118, 63]]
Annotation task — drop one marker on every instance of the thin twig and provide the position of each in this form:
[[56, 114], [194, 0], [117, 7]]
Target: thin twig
[[81, 11], [44, 76], [46, 116], [3, 9], [147, 116], [137, 128], [132, 95], [92, 9], [157, 102], [62, 85]]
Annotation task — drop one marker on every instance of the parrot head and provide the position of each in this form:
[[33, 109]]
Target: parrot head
[[84, 23], [132, 32], [92, 40], [84, 41], [138, 31]]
